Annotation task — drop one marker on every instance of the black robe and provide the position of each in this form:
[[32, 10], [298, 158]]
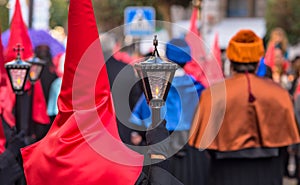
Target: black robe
[[126, 89]]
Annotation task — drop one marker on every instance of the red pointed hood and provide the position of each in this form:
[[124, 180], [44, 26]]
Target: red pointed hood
[[18, 35], [217, 51], [193, 21], [7, 97], [213, 65], [83, 145], [269, 56], [205, 68], [195, 41]]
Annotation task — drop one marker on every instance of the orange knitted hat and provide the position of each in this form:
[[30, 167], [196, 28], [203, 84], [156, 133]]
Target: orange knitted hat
[[245, 47]]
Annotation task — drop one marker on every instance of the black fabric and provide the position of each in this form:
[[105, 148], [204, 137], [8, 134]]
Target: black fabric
[[160, 176], [158, 139], [191, 168], [178, 141], [121, 71], [8, 131], [24, 122], [245, 171], [48, 74], [249, 153], [41, 130], [164, 164], [157, 176], [122, 79], [142, 180], [15, 143], [47, 77], [10, 169], [293, 86]]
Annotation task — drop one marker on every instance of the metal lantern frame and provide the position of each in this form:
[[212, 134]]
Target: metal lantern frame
[[18, 65], [36, 62], [152, 65]]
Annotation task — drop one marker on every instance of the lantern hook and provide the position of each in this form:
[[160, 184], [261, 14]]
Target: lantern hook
[[155, 44]]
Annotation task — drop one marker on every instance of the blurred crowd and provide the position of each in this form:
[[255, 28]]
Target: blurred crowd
[[257, 137]]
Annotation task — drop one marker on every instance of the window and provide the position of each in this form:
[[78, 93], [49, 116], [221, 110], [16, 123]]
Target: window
[[240, 8]]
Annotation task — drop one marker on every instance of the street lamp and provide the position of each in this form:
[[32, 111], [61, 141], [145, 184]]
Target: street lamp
[[17, 71], [156, 75], [36, 69]]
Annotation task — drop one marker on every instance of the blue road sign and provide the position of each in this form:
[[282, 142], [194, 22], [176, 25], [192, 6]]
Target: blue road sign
[[139, 21]]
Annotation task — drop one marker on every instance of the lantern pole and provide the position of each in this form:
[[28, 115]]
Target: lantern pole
[[156, 119]]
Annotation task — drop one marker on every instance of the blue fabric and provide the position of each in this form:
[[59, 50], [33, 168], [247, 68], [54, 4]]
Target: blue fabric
[[180, 105], [52, 108], [262, 68], [178, 51]]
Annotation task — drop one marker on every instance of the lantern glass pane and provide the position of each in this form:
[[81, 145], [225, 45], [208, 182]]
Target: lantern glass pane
[[35, 71], [18, 78], [158, 81]]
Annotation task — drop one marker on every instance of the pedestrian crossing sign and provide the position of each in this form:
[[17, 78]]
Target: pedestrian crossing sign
[[139, 21]]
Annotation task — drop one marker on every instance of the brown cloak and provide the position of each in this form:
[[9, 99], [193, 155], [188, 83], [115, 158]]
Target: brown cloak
[[226, 121]]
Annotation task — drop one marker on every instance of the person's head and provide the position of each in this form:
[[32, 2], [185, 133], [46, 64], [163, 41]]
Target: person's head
[[278, 36], [43, 52], [244, 51], [178, 51]]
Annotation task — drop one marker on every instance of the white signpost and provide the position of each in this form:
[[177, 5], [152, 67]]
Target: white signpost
[[41, 14]]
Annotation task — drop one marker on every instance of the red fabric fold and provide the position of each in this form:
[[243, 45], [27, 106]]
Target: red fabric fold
[[2, 78], [83, 145], [2, 138], [217, 51], [269, 56], [39, 106], [56, 62], [7, 99], [213, 65]]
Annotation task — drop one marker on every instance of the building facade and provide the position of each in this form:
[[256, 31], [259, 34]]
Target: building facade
[[226, 17]]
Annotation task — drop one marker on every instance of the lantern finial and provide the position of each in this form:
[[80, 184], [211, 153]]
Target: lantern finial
[[18, 50], [155, 44], [17, 71]]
